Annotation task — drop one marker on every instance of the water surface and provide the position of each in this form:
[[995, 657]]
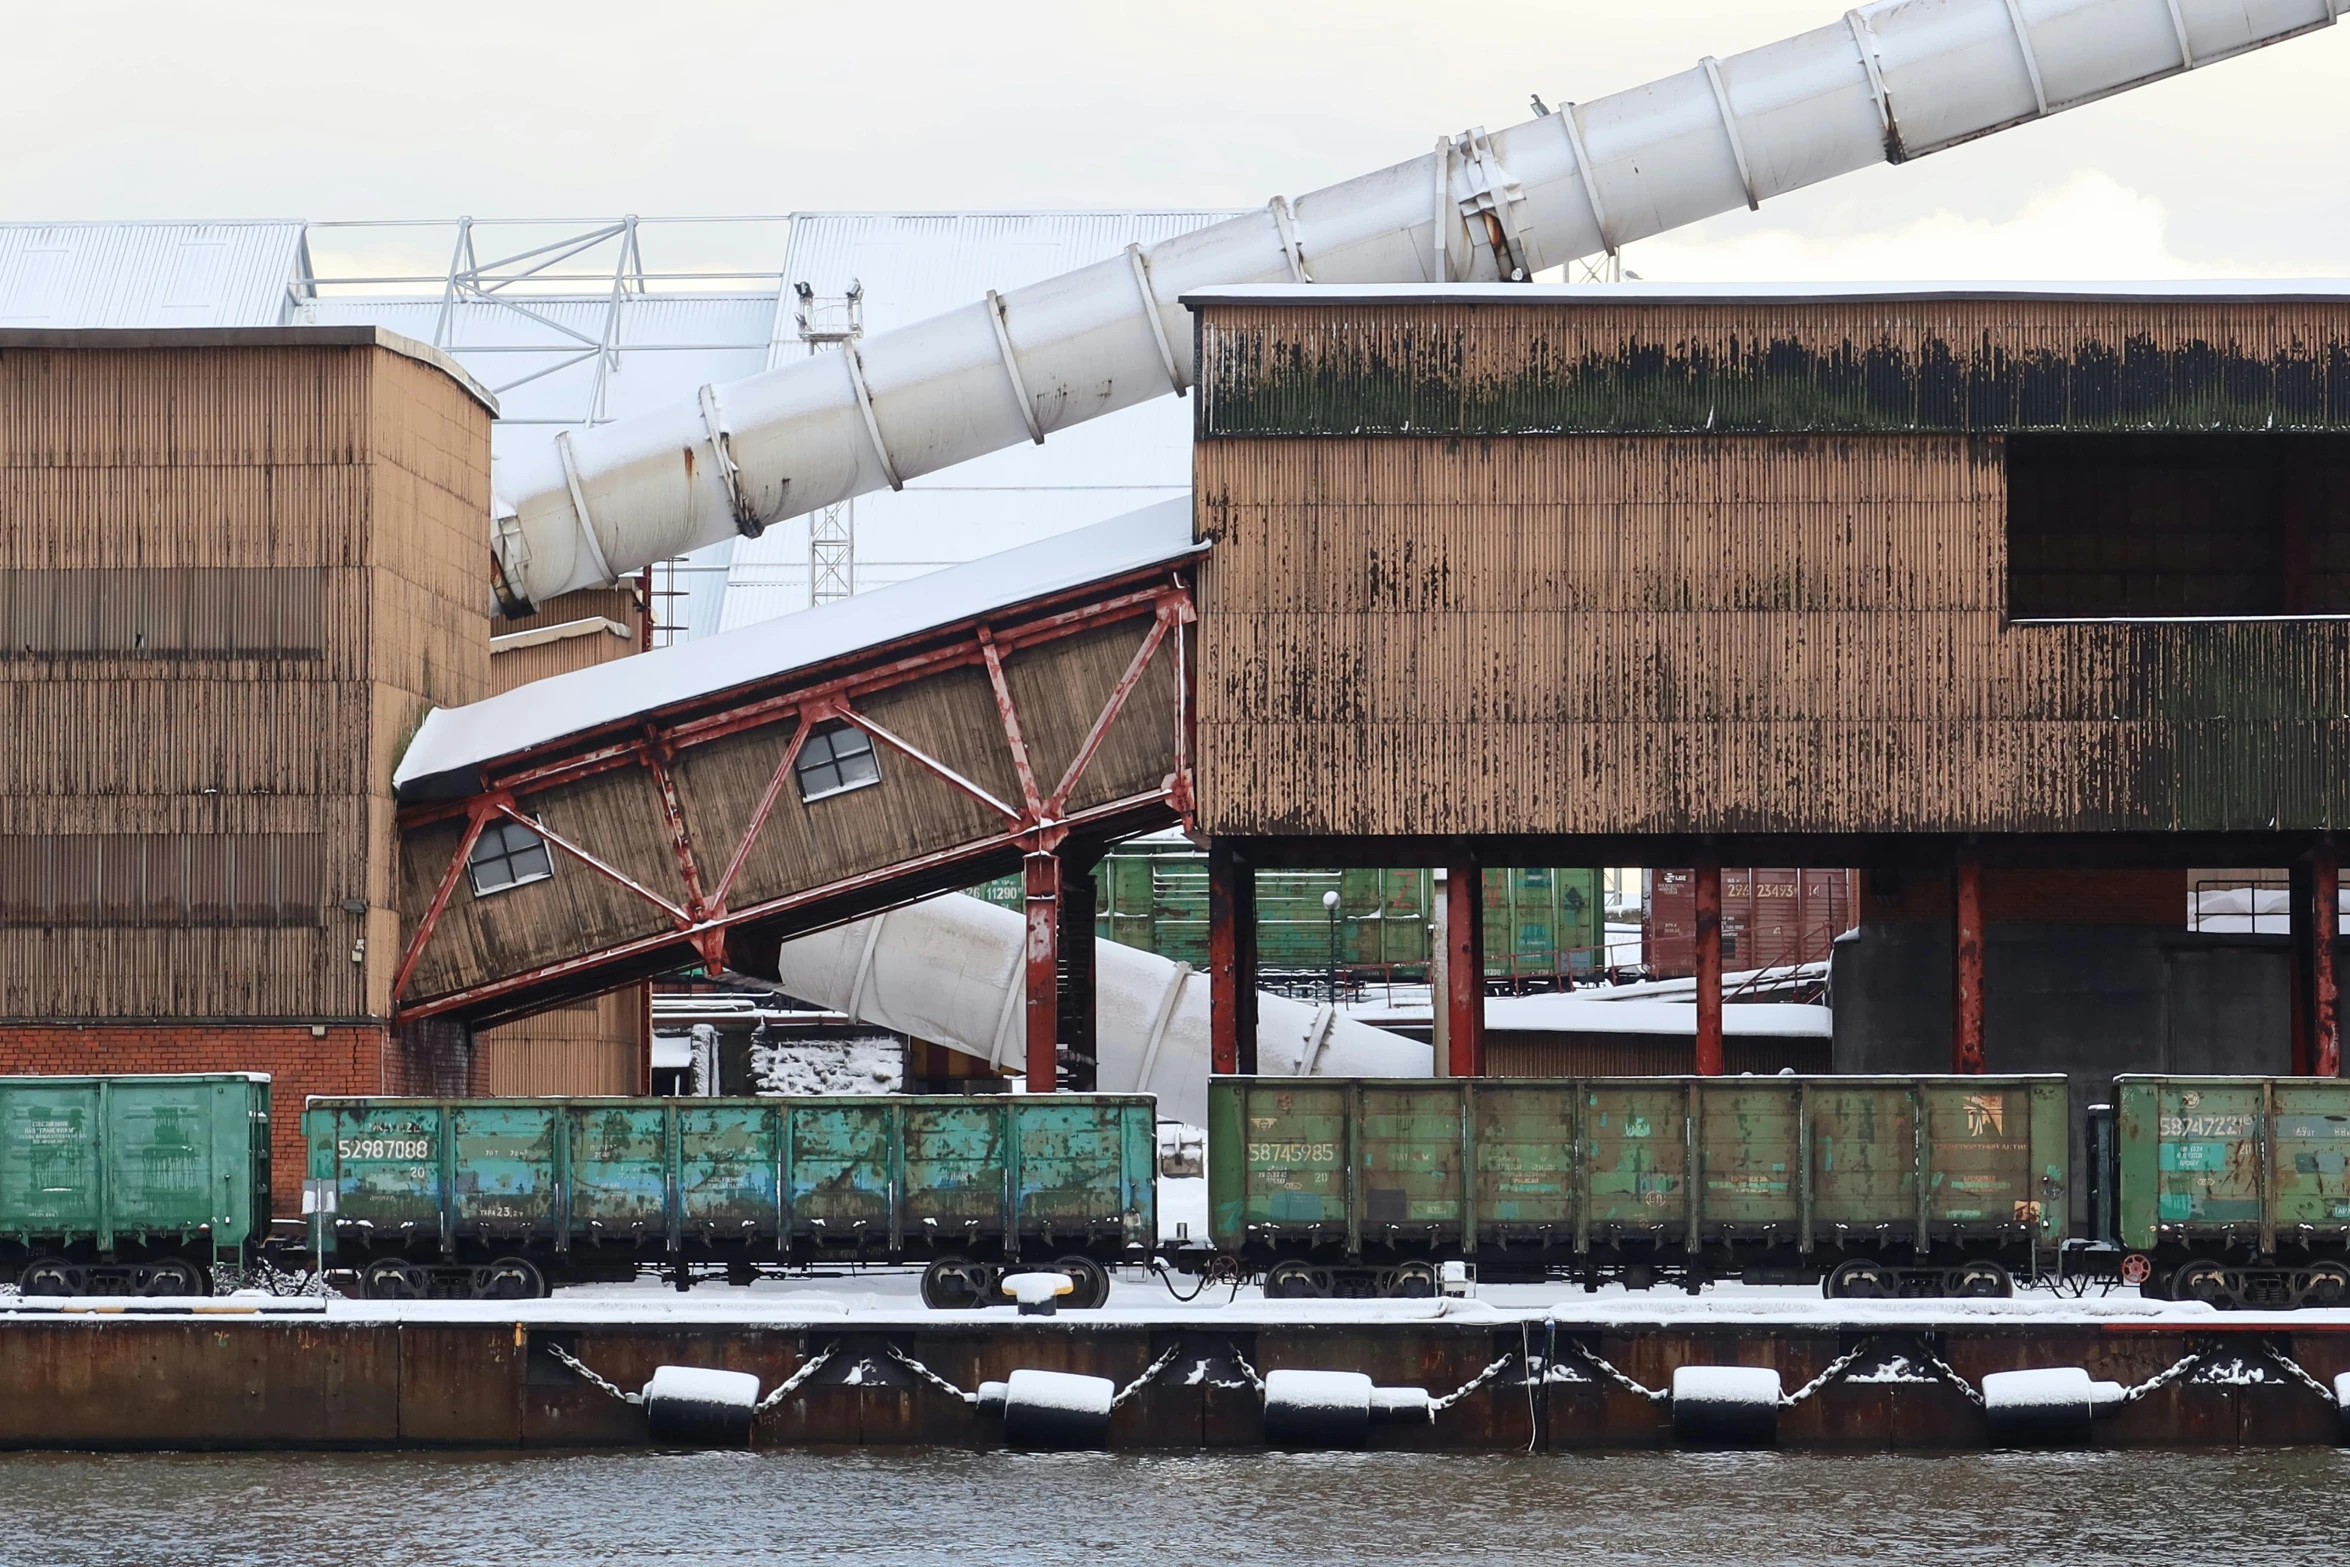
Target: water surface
[[854, 1508]]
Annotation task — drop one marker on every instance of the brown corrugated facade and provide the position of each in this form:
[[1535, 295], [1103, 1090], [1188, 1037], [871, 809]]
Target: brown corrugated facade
[[1735, 567], [242, 565], [602, 1045], [2022, 600]]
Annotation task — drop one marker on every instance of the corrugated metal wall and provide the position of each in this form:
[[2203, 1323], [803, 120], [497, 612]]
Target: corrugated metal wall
[[1772, 916], [601, 1045], [279, 552], [1768, 367], [1672, 633]]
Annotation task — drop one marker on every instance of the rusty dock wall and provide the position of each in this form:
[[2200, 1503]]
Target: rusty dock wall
[[88, 1380]]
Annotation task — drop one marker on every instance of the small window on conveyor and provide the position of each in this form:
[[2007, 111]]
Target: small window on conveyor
[[507, 854], [836, 759]]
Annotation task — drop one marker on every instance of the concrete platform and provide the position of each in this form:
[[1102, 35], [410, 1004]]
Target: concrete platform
[[255, 1372]]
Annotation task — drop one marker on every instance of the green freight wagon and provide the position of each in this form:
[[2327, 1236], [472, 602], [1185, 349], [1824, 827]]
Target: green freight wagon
[[1872, 1185], [1541, 923], [2232, 1190], [131, 1185], [498, 1197]]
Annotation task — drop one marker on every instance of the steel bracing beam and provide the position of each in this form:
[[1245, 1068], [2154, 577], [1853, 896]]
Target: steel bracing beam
[[1038, 825]]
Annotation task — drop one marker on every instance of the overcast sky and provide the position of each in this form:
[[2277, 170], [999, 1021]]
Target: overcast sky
[[424, 108]]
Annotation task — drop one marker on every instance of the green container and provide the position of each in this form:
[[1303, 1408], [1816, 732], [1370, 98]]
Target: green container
[[1578, 1166], [872, 1176], [173, 1164], [2230, 1162]]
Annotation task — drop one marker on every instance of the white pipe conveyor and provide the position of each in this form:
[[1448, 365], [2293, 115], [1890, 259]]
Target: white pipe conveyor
[[952, 970], [1889, 81]]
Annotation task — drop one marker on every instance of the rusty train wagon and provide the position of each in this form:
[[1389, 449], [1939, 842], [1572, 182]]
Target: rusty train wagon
[[2230, 1190], [1874, 1186], [133, 1184], [498, 1198]]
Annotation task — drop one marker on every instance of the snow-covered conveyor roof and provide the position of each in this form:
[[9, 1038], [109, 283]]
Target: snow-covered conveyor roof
[[702, 803]]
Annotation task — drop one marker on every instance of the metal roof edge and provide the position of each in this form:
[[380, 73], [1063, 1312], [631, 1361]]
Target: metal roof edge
[[198, 337], [2186, 291]]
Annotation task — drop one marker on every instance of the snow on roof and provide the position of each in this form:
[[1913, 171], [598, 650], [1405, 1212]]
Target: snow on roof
[[1593, 1012], [454, 738], [1566, 1013], [2205, 291]]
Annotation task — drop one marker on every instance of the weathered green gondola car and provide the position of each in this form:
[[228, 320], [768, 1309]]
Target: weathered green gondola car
[[1879, 1185], [131, 1184], [2234, 1190], [497, 1197]]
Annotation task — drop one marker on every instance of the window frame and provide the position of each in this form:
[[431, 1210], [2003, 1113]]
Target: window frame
[[831, 761], [507, 855]]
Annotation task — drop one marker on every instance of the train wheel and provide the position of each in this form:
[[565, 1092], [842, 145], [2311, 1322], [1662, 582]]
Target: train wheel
[[1090, 1281], [957, 1284], [2325, 1284], [1978, 1281], [509, 1278], [2203, 1280], [1292, 1280], [177, 1276], [394, 1278], [1411, 1281], [49, 1276], [1860, 1278]]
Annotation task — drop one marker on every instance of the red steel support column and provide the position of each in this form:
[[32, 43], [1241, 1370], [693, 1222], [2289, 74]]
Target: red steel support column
[[1232, 960], [1708, 883], [1077, 989], [2325, 1023], [2301, 945], [1966, 995], [1464, 973], [1042, 875]]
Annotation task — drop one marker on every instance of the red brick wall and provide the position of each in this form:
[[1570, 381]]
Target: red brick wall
[[351, 1058]]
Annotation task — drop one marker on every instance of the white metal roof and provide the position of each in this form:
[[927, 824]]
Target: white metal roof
[[541, 356], [453, 739], [912, 266], [68, 275]]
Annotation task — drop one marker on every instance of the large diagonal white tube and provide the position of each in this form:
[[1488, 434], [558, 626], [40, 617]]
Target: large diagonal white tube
[[952, 970], [1893, 80]]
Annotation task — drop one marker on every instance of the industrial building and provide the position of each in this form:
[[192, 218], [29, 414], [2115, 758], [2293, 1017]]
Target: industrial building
[[2025, 602], [242, 564]]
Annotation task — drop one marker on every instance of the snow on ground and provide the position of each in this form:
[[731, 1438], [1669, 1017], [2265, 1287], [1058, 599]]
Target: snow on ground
[[892, 1297], [879, 1299], [1183, 1210], [829, 1066]]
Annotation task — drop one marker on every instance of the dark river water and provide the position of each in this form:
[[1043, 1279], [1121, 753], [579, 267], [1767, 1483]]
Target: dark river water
[[853, 1508]]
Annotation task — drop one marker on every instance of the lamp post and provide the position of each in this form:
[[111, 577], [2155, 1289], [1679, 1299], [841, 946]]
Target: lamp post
[[1330, 907]]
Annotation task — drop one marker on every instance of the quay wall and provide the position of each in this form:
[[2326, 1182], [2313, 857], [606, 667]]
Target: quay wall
[[86, 1381]]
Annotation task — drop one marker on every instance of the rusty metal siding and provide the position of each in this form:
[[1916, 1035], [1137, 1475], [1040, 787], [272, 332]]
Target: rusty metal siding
[[591, 1047], [1559, 367], [1670, 634], [342, 488], [1061, 687]]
